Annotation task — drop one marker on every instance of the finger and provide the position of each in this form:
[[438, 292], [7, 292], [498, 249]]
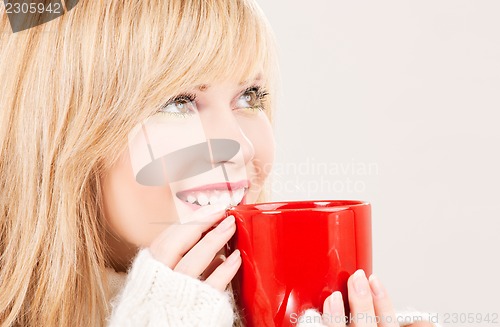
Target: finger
[[360, 300], [383, 305], [333, 311], [219, 259], [223, 274], [171, 245], [196, 260]]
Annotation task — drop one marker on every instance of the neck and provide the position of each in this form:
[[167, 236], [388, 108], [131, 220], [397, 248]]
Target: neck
[[121, 253]]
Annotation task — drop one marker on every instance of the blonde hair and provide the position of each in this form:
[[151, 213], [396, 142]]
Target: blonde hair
[[71, 90]]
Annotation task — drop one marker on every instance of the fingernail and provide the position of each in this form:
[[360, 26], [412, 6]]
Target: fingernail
[[376, 286], [233, 258], [361, 285], [336, 303], [225, 225]]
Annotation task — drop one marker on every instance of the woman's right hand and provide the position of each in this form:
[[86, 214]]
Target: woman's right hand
[[182, 248]]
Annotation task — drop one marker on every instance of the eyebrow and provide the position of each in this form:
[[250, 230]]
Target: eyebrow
[[204, 87]]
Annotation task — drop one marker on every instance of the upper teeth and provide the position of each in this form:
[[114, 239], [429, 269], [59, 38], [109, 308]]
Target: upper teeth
[[216, 196]]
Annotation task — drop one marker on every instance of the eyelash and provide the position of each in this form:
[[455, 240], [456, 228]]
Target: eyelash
[[181, 98], [186, 97], [260, 92]]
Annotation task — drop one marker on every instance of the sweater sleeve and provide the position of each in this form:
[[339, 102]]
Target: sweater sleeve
[[154, 295], [312, 318]]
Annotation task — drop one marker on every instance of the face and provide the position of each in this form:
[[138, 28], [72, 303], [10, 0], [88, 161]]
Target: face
[[212, 144]]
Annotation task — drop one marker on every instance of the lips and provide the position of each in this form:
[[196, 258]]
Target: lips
[[227, 194]]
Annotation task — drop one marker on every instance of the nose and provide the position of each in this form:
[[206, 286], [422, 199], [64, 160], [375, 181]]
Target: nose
[[162, 155], [227, 139]]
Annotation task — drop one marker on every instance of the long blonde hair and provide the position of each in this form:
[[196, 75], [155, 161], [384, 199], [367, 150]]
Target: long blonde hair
[[70, 92]]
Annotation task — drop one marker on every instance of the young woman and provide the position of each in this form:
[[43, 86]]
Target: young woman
[[85, 239]]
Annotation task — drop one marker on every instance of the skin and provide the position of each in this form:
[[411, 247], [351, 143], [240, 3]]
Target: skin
[[194, 249], [367, 298], [137, 214]]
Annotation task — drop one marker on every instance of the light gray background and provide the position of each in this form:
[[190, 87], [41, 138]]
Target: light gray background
[[409, 91]]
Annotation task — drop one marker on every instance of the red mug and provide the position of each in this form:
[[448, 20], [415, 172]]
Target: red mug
[[295, 254]]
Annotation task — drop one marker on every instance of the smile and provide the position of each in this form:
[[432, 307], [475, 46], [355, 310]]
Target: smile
[[227, 194]]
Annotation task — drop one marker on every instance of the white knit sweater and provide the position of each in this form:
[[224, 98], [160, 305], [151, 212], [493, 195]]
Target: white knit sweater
[[153, 295]]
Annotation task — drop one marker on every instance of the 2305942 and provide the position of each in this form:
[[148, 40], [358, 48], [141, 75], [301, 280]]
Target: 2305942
[[32, 8]]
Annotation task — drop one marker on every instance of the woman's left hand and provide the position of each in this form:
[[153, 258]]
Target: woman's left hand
[[369, 303]]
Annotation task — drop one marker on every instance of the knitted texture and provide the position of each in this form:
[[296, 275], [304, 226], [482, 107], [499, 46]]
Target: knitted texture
[[116, 281], [155, 295]]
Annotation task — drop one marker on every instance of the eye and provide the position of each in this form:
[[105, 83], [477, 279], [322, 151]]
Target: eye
[[252, 98], [180, 106]]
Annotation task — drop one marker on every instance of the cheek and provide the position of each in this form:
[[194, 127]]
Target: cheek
[[264, 144], [132, 211], [259, 132]]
